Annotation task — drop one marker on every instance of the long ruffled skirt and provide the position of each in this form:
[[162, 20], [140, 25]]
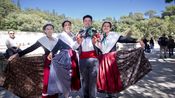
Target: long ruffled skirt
[[64, 73], [119, 70]]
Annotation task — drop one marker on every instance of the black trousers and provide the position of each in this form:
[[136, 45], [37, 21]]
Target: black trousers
[[11, 51], [170, 51]]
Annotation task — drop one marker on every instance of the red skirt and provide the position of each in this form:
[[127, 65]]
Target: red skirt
[[119, 70], [108, 79], [75, 77], [46, 79]]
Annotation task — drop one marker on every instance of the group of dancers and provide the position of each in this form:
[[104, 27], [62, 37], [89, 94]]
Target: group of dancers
[[90, 55]]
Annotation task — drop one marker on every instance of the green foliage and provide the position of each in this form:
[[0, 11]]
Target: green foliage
[[77, 25], [169, 11], [150, 13], [169, 1], [6, 7], [23, 22], [12, 17]]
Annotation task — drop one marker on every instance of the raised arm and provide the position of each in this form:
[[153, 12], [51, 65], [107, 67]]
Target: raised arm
[[29, 49]]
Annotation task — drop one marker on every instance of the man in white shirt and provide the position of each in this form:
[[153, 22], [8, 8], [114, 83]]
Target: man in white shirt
[[12, 45], [88, 59]]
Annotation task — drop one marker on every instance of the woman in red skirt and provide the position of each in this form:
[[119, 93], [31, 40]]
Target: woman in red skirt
[[47, 42], [112, 77], [64, 71]]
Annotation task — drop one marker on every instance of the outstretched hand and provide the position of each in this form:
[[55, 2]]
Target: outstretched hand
[[49, 57], [15, 56]]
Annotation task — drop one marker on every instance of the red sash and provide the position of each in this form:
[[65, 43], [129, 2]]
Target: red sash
[[89, 54]]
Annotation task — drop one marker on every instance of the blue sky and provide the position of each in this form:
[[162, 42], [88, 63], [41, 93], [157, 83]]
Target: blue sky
[[99, 9]]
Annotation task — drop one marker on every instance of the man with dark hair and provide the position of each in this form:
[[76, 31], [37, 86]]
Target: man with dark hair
[[88, 58], [87, 16]]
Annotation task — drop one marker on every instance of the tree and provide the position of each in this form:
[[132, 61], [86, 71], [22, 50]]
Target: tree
[[6, 7], [127, 20], [169, 11], [23, 22], [19, 4], [108, 19], [53, 12], [170, 22], [169, 1], [150, 13], [138, 16]]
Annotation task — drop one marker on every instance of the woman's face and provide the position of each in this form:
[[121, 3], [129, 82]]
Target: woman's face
[[67, 27], [106, 28], [48, 31]]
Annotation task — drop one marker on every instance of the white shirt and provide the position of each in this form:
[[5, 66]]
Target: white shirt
[[87, 44], [11, 42], [68, 40], [47, 43], [109, 43]]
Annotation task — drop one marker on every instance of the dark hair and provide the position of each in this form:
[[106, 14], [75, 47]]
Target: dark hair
[[87, 16], [107, 22], [44, 27], [65, 22]]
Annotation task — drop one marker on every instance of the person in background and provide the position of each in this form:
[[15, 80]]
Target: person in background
[[170, 45], [151, 42], [163, 42], [13, 46], [147, 48]]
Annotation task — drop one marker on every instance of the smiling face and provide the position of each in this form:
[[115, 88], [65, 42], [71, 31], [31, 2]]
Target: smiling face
[[87, 22], [67, 27], [49, 31], [106, 27]]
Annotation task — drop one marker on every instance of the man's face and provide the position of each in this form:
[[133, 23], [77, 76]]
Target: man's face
[[11, 34], [87, 22]]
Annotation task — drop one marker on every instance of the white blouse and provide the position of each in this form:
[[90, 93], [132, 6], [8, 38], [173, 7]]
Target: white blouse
[[109, 43]]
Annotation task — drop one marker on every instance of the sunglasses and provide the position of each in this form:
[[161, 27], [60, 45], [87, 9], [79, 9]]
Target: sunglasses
[[11, 33]]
